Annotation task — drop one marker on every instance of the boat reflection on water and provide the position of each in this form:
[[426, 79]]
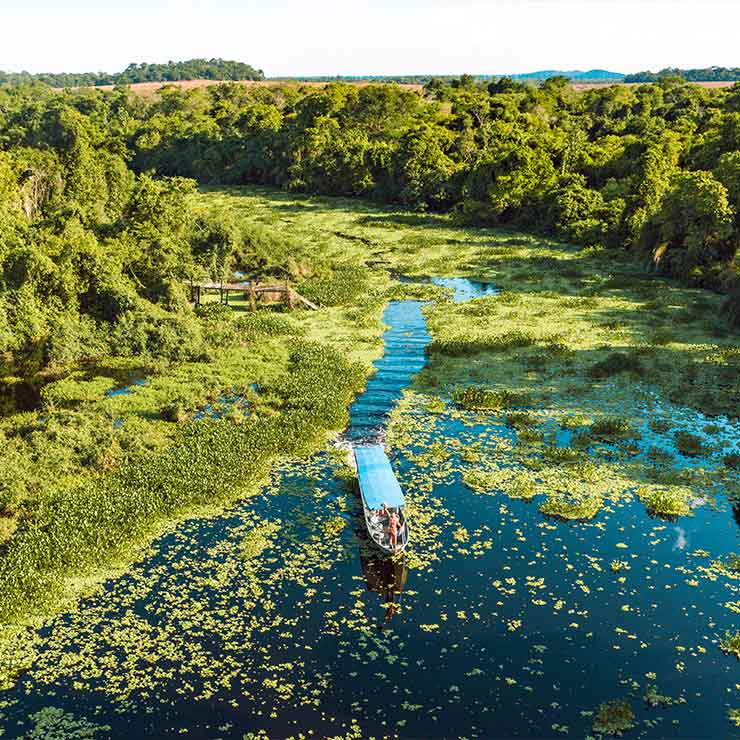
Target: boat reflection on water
[[385, 575]]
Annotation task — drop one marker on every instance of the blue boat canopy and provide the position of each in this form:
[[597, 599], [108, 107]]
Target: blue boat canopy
[[378, 483]]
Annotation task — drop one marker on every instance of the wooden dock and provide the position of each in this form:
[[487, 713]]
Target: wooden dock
[[276, 292]]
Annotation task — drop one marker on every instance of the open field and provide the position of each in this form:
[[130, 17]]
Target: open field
[[150, 88]]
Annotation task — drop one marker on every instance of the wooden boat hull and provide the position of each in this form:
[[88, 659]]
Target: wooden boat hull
[[380, 491], [377, 528]]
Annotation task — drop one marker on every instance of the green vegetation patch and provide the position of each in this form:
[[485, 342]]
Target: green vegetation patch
[[479, 398], [614, 718], [666, 502], [730, 644]]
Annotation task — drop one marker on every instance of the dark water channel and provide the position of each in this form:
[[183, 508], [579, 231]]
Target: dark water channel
[[518, 629]]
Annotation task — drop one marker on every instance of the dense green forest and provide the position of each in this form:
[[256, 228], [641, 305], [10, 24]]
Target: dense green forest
[[96, 233], [192, 69], [709, 74]]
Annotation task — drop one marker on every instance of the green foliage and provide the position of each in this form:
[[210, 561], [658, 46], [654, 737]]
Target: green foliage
[[664, 502], [614, 718], [74, 527], [615, 363], [192, 69], [479, 398], [342, 286], [266, 324], [694, 229], [688, 444]]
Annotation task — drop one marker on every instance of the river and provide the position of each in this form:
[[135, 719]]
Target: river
[[278, 618]]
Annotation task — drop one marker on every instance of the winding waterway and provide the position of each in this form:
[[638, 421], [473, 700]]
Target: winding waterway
[[499, 622]]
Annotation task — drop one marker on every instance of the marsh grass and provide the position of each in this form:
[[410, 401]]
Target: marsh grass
[[615, 363], [480, 398], [611, 428]]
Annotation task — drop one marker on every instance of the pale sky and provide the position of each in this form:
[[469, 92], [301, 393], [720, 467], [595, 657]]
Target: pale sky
[[346, 37]]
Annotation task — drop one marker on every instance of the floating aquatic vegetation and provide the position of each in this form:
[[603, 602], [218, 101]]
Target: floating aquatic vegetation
[[478, 398], [668, 502], [52, 723], [611, 427], [653, 698], [565, 506], [17, 652], [688, 444], [730, 644], [614, 718], [615, 363], [734, 716]]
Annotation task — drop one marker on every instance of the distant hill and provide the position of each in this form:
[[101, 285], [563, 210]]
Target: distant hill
[[192, 69], [575, 75], [709, 74]]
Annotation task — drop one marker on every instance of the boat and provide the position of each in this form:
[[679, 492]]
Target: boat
[[379, 489]]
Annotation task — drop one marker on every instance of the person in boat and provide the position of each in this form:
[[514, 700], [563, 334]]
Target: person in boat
[[383, 511], [394, 524]]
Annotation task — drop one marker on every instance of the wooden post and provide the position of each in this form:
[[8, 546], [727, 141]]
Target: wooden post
[[252, 296], [288, 294]]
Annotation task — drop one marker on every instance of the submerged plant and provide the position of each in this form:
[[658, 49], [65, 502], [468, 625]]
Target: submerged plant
[[614, 718]]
